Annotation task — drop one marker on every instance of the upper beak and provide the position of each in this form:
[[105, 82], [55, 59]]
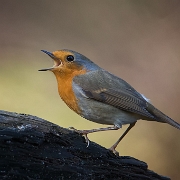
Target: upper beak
[[52, 56], [49, 53]]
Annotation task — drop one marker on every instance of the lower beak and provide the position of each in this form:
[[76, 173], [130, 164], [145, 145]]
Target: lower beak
[[46, 69]]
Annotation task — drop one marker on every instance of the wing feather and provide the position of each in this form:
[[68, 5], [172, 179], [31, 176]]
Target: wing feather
[[107, 88]]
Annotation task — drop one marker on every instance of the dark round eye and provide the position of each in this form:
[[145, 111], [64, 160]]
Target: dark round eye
[[70, 58]]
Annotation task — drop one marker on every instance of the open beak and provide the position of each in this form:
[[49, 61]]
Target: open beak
[[49, 54], [53, 57]]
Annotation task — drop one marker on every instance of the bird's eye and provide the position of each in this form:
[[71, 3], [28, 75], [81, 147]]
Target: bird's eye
[[70, 58]]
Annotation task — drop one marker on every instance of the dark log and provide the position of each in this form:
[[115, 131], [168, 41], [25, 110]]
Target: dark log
[[32, 148]]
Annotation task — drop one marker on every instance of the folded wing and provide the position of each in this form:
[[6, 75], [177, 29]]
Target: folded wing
[[107, 88]]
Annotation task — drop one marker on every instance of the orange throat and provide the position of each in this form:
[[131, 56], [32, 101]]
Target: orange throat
[[65, 88]]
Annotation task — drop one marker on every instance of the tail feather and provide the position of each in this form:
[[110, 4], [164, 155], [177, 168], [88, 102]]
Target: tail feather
[[161, 117]]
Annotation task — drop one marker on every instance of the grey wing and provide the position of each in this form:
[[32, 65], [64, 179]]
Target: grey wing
[[107, 88]]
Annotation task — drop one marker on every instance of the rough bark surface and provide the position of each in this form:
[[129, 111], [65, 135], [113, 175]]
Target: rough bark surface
[[33, 148]]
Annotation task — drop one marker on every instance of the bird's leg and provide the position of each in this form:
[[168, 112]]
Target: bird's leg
[[113, 147], [86, 132]]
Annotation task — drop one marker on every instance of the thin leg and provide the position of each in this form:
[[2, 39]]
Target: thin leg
[[112, 148], [96, 130], [86, 132]]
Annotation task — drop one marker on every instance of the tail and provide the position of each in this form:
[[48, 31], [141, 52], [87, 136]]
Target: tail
[[161, 117]]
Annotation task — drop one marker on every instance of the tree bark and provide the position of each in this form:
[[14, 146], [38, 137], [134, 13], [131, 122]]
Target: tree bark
[[33, 148]]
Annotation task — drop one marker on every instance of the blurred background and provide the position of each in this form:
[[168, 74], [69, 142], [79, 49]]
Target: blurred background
[[136, 40]]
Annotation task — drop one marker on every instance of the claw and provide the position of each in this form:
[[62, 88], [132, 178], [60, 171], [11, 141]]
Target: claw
[[114, 151], [82, 132], [87, 140], [71, 128]]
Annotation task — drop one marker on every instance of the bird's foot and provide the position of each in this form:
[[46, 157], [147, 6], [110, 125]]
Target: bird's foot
[[82, 132], [114, 151]]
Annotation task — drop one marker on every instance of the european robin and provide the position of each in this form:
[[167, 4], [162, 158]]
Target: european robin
[[99, 96]]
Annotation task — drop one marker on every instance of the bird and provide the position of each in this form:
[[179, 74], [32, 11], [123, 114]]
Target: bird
[[99, 96]]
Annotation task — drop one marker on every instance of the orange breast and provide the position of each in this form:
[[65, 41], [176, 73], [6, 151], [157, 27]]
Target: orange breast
[[65, 89]]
